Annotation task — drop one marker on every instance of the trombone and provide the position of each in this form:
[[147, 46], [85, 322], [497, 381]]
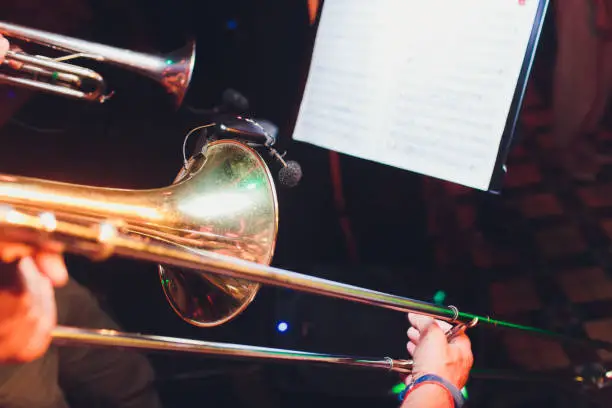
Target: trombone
[[173, 71], [212, 233]]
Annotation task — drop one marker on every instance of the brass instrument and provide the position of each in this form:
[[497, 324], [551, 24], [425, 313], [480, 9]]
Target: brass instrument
[[52, 75], [223, 201], [213, 232]]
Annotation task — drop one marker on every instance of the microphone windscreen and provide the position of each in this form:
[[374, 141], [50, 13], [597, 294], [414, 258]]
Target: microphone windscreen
[[290, 175]]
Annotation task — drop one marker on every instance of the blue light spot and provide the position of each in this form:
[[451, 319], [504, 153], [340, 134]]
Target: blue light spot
[[232, 24], [282, 327]]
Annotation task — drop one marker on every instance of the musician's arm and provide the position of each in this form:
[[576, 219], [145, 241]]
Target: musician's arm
[[431, 394], [428, 396], [90, 375]]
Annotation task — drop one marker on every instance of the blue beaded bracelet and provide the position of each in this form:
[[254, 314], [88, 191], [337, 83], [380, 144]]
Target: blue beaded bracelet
[[455, 393]]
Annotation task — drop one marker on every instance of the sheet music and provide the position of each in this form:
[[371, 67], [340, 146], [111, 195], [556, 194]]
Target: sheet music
[[423, 85]]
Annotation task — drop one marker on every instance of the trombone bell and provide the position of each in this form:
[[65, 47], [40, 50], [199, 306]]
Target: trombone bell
[[223, 201], [173, 71]]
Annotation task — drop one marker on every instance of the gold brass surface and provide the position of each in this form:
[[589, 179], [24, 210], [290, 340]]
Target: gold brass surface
[[223, 201]]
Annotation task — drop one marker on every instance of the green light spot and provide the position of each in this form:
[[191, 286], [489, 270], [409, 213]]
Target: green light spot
[[55, 76], [439, 297], [169, 62], [397, 388]]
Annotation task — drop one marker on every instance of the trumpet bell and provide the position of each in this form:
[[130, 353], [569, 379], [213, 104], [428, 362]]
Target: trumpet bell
[[176, 77], [222, 201]]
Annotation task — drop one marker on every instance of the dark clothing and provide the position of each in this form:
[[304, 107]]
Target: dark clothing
[[80, 376]]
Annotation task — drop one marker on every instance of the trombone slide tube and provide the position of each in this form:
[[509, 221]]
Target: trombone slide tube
[[85, 240], [66, 336]]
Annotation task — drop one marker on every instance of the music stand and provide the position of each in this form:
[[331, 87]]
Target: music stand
[[382, 71]]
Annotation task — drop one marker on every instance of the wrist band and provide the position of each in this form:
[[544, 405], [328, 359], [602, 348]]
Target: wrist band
[[435, 379]]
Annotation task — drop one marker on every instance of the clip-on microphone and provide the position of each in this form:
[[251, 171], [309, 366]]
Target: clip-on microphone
[[254, 134]]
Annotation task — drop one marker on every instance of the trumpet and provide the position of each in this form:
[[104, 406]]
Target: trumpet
[[212, 233], [53, 75]]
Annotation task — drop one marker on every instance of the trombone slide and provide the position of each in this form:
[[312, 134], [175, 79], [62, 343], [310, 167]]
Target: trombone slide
[[63, 335], [107, 240]]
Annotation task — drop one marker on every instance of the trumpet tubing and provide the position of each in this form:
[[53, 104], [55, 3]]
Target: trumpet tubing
[[173, 71]]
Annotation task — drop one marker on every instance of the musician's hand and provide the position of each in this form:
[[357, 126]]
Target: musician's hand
[[4, 47], [434, 354], [48, 264], [27, 303]]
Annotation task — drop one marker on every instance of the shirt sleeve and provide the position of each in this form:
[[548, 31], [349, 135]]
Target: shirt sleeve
[[93, 376]]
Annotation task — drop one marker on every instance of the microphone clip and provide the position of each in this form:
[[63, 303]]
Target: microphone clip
[[253, 134]]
